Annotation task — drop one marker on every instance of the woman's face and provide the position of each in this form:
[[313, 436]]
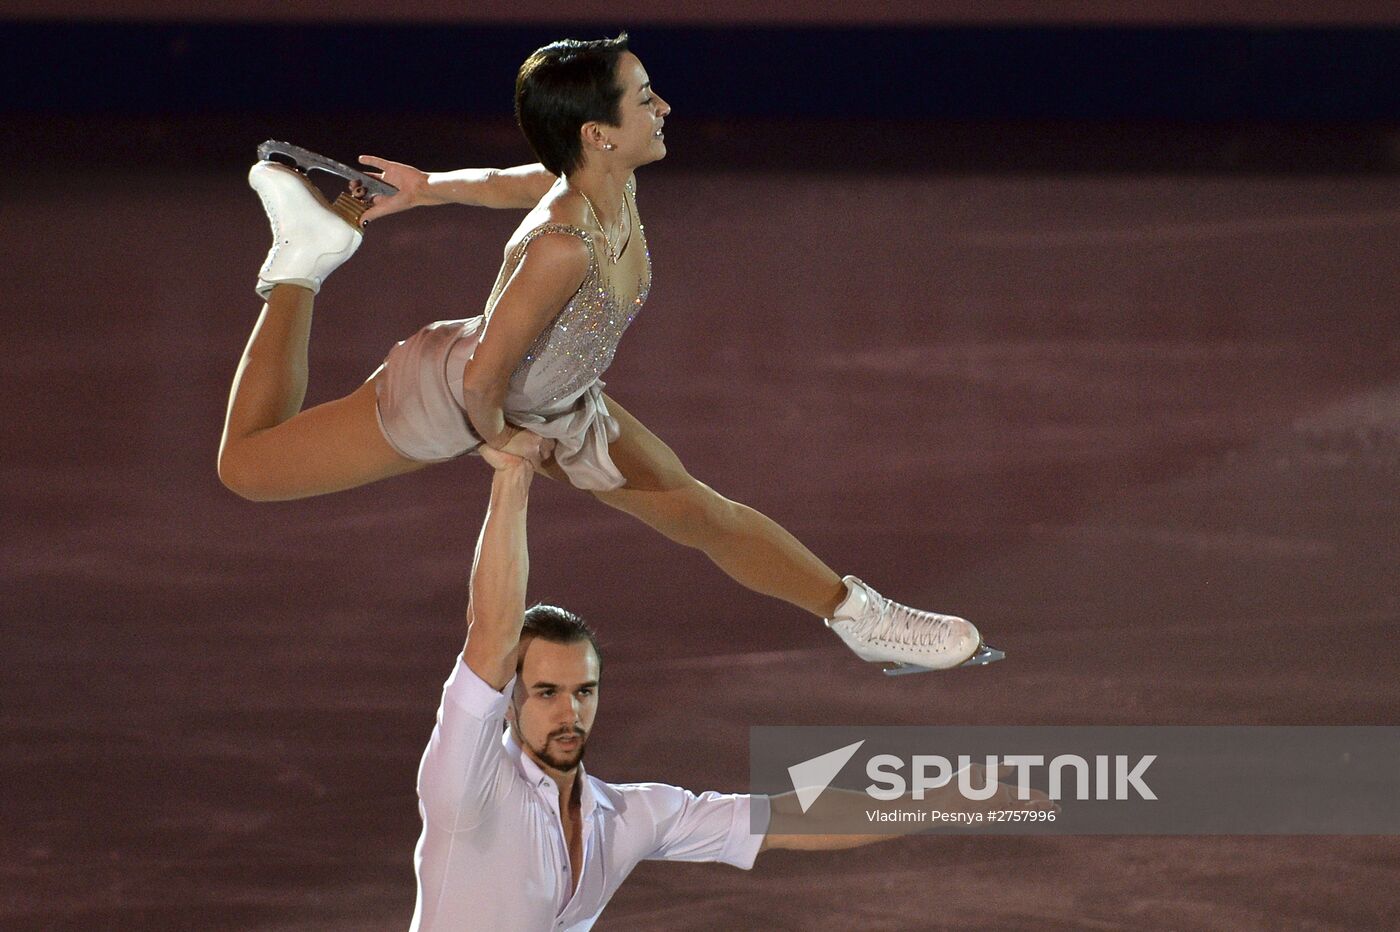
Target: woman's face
[[641, 112]]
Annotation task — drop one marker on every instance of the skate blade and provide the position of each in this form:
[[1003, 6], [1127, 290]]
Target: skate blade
[[984, 655], [306, 161]]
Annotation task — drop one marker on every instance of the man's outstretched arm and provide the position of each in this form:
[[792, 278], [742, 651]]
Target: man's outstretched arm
[[500, 571], [834, 821]]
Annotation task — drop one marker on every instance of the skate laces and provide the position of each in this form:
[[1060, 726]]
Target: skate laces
[[275, 222], [910, 627]]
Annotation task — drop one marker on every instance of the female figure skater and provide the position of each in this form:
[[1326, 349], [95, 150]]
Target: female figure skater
[[576, 272]]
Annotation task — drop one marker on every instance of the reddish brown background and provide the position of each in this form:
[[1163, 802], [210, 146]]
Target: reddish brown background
[[1127, 395], [1142, 427]]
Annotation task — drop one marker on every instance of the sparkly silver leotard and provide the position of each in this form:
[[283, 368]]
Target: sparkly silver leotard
[[578, 345], [555, 390]]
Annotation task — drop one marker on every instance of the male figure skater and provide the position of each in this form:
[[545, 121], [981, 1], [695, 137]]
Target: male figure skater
[[516, 837]]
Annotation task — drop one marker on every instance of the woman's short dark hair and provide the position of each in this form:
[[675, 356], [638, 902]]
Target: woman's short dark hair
[[558, 626], [563, 86]]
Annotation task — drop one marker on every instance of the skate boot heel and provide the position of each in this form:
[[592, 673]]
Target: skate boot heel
[[350, 208]]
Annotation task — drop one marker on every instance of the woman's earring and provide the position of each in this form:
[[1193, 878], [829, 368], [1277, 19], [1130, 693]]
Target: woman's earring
[[609, 146]]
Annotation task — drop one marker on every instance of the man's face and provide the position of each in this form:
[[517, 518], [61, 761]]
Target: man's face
[[555, 699]]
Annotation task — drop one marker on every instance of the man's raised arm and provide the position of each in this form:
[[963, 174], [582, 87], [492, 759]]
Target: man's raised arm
[[496, 605]]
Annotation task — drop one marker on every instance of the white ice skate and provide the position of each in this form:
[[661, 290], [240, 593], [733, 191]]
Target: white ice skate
[[913, 641], [311, 237]]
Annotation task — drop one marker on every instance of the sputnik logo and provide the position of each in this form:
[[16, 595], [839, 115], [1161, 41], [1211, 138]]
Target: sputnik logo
[[811, 777]]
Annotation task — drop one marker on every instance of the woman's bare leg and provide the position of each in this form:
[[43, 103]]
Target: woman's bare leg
[[271, 449], [751, 548], [765, 558]]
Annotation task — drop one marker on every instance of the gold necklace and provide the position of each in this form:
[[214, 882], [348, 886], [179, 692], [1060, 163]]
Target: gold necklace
[[612, 250]]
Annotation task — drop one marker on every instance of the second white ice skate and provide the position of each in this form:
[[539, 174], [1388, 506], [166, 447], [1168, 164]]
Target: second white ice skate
[[880, 630]]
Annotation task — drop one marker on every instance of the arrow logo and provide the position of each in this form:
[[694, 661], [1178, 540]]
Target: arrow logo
[[811, 777]]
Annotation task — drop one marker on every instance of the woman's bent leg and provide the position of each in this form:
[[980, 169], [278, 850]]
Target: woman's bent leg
[[271, 449], [753, 549]]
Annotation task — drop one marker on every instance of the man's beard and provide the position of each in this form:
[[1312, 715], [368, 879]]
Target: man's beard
[[563, 761]]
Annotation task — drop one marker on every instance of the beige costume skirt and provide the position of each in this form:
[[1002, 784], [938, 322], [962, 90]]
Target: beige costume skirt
[[418, 392]]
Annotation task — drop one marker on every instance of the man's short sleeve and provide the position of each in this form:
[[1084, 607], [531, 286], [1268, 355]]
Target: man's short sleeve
[[460, 768], [709, 827]]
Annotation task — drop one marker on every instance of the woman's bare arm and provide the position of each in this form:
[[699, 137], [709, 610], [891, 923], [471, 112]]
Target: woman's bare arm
[[553, 267], [520, 187]]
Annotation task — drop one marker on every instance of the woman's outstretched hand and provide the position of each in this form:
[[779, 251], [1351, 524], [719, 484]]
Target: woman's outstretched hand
[[412, 185]]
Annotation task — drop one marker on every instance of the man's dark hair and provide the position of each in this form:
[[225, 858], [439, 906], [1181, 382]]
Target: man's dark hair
[[563, 86], [558, 626]]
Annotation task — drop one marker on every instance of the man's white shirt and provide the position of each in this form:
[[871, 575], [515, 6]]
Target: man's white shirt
[[493, 853]]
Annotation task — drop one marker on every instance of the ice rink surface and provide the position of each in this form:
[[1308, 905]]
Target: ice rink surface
[[1144, 429]]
